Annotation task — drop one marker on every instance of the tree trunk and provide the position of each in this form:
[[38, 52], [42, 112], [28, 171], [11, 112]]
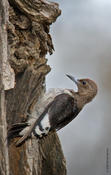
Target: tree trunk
[[5, 83], [29, 41]]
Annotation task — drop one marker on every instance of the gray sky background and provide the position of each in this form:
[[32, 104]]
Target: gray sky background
[[82, 40]]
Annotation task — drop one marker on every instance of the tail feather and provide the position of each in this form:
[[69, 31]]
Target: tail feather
[[15, 130], [26, 135], [18, 125]]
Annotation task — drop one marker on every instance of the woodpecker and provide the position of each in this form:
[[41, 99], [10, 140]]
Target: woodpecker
[[59, 107]]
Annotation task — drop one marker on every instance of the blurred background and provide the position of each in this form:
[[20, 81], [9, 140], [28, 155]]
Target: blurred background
[[82, 41]]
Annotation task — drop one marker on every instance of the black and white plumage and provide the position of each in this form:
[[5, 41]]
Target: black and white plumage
[[57, 108]]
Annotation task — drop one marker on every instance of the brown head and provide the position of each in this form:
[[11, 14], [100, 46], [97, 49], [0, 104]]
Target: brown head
[[86, 88]]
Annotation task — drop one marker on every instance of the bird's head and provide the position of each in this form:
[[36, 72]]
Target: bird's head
[[86, 88]]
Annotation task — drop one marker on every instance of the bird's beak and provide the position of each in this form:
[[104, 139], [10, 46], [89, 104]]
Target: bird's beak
[[75, 80]]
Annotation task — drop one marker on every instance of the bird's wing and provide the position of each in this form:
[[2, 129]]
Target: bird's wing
[[62, 110], [59, 107], [41, 108], [49, 96], [44, 100]]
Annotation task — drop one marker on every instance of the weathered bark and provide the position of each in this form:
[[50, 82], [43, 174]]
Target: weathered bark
[[29, 41], [4, 169]]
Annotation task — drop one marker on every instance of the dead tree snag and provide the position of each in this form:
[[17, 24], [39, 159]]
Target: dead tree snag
[[29, 42]]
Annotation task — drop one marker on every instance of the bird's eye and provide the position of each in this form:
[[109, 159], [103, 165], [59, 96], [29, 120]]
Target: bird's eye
[[84, 82]]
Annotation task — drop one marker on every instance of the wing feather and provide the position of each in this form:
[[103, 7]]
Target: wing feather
[[62, 111]]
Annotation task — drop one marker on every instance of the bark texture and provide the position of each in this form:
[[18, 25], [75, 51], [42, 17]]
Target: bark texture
[[4, 169], [29, 41]]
